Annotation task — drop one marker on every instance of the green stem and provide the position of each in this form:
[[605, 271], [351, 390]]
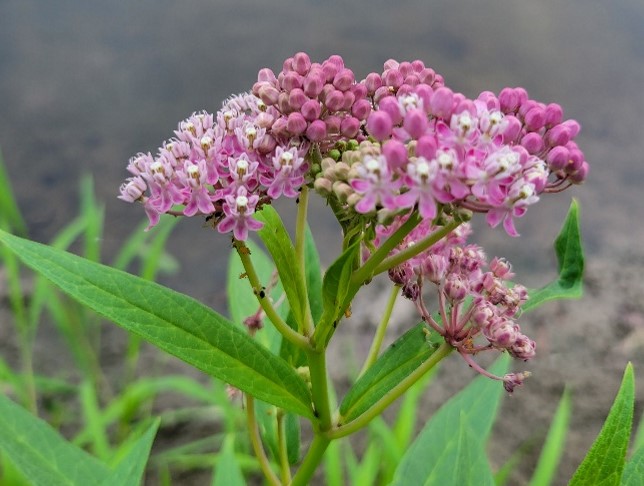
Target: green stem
[[377, 408], [320, 388], [381, 331], [417, 248], [300, 224], [256, 442], [285, 470], [366, 271], [311, 461], [300, 238], [267, 306]]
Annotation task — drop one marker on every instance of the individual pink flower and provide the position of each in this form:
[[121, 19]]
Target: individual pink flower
[[238, 210], [287, 175], [375, 184]]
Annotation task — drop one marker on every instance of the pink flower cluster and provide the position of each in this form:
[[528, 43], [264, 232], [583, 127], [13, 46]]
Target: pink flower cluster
[[493, 154], [222, 166], [474, 301]]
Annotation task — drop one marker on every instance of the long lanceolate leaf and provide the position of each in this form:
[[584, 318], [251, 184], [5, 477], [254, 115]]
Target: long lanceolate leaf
[[399, 360], [174, 322], [570, 259], [604, 463], [40, 453], [280, 246]]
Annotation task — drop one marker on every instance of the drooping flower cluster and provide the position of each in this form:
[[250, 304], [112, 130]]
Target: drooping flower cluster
[[474, 301]]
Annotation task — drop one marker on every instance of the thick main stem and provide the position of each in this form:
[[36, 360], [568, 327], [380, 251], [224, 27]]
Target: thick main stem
[[311, 461]]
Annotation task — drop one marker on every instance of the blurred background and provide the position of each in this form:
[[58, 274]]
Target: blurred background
[[85, 85]]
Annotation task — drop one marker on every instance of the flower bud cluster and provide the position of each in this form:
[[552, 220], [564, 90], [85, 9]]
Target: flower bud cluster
[[477, 307], [321, 102]]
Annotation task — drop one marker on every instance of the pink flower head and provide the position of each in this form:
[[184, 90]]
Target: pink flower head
[[375, 184], [238, 209], [287, 175]]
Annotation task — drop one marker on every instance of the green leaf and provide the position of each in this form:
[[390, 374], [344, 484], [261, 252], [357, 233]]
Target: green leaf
[[553, 448], [129, 470], [174, 322], [335, 288], [634, 470], [638, 442], [570, 260], [242, 302], [450, 448], [40, 453], [400, 359], [604, 463], [313, 275], [280, 246], [227, 471]]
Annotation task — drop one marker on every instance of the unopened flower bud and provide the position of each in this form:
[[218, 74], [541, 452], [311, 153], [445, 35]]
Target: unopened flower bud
[[291, 81], [391, 106], [349, 99], [323, 186], [580, 175], [296, 124], [373, 82], [379, 125], [392, 78], [343, 79], [353, 199], [535, 118], [395, 152], [343, 191], [554, 114], [415, 123], [266, 75], [313, 84], [311, 110], [341, 171], [267, 144], [533, 142], [441, 102], [334, 100], [316, 131], [512, 129], [327, 163], [349, 127], [296, 98], [557, 158], [301, 63], [361, 109]]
